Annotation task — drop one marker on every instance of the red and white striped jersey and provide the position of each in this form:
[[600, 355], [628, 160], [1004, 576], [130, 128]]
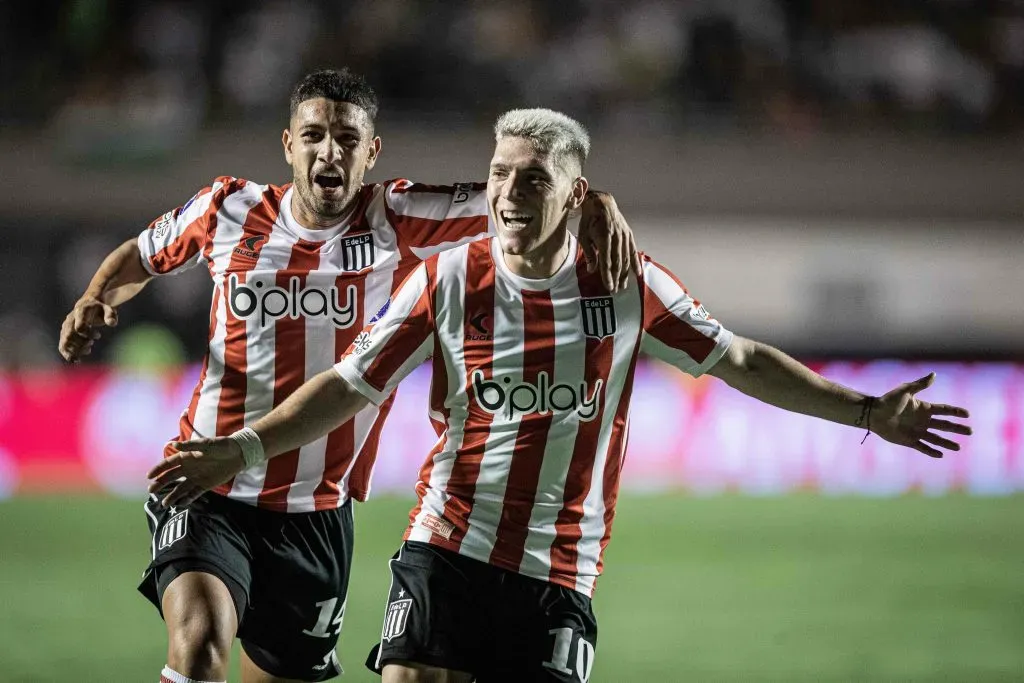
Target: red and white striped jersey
[[529, 398], [287, 301]]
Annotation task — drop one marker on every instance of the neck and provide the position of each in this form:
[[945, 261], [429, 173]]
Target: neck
[[544, 261], [313, 221]]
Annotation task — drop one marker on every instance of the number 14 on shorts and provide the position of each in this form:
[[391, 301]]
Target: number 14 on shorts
[[562, 649], [327, 618]]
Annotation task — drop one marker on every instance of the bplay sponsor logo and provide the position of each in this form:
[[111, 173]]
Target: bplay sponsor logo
[[512, 400], [268, 303]]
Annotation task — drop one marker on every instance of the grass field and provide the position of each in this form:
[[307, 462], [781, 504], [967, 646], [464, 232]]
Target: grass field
[[724, 589]]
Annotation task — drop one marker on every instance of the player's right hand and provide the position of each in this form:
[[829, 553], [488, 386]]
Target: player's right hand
[[82, 327], [197, 467]]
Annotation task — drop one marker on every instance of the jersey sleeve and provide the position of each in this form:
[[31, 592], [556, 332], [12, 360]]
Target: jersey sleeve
[[400, 337], [433, 218], [677, 327], [175, 241]]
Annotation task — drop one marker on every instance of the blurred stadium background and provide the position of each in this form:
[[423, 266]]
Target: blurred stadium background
[[837, 177]]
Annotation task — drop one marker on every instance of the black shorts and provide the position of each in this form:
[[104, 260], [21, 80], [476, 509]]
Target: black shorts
[[453, 612], [287, 573]]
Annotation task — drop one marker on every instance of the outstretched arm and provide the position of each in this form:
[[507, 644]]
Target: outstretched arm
[[898, 416], [119, 278], [317, 407]]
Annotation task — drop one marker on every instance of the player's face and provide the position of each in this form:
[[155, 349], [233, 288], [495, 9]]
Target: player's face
[[330, 146], [530, 194]]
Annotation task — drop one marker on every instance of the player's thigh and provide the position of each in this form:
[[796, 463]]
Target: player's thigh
[[199, 571], [544, 632], [301, 566], [410, 672], [199, 611], [434, 618]]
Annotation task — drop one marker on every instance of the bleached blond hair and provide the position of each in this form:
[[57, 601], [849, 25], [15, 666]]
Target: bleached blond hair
[[550, 131]]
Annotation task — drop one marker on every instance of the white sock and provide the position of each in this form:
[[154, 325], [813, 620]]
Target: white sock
[[169, 675]]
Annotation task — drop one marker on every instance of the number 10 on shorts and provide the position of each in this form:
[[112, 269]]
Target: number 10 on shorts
[[562, 649]]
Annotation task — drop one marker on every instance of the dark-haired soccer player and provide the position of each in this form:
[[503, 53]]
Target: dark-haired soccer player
[[298, 271]]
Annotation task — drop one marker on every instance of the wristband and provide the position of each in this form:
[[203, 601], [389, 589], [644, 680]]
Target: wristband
[[252, 448]]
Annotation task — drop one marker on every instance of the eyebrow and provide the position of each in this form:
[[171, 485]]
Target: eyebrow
[[320, 127], [501, 166]]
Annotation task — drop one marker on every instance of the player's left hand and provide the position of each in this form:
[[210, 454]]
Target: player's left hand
[[902, 418], [197, 467], [607, 241]]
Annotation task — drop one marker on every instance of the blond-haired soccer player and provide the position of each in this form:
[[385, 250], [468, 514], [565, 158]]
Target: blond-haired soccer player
[[533, 362]]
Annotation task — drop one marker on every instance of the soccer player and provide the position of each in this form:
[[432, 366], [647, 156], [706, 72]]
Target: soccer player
[[298, 271], [533, 362]]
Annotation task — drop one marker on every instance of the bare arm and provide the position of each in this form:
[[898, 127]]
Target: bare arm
[[767, 374], [317, 407], [119, 278]]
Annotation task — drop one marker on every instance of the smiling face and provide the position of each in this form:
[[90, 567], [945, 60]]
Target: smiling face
[[330, 145], [530, 194]]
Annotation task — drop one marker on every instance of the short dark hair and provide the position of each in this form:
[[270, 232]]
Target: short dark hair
[[340, 86]]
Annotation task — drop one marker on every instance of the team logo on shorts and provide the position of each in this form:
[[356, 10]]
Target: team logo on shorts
[[598, 316], [396, 618], [174, 530], [357, 253]]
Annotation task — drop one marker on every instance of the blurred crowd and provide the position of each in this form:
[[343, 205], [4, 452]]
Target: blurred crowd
[[789, 65], [136, 80]]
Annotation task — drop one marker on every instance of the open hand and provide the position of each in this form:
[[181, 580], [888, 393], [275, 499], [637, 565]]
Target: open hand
[[902, 418], [82, 327], [197, 467], [607, 241]]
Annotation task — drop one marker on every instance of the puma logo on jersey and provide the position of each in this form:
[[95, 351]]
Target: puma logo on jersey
[[269, 303], [524, 398]]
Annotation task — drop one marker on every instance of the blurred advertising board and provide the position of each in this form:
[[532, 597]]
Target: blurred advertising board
[[87, 429]]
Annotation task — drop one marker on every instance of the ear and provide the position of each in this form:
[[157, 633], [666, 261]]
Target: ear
[[371, 157], [579, 192], [286, 142]]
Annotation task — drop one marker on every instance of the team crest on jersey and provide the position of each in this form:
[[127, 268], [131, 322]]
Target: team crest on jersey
[[357, 253], [598, 316], [396, 618], [174, 529]]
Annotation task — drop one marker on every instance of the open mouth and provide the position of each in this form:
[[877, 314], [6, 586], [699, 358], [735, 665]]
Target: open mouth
[[328, 182], [516, 220]]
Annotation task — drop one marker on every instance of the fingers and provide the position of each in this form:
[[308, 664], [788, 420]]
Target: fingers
[[590, 251], [612, 262], [625, 260], [943, 409], [184, 493], [195, 446], [942, 441], [947, 426], [169, 463], [109, 315], [638, 265], [922, 447], [166, 478], [920, 384]]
